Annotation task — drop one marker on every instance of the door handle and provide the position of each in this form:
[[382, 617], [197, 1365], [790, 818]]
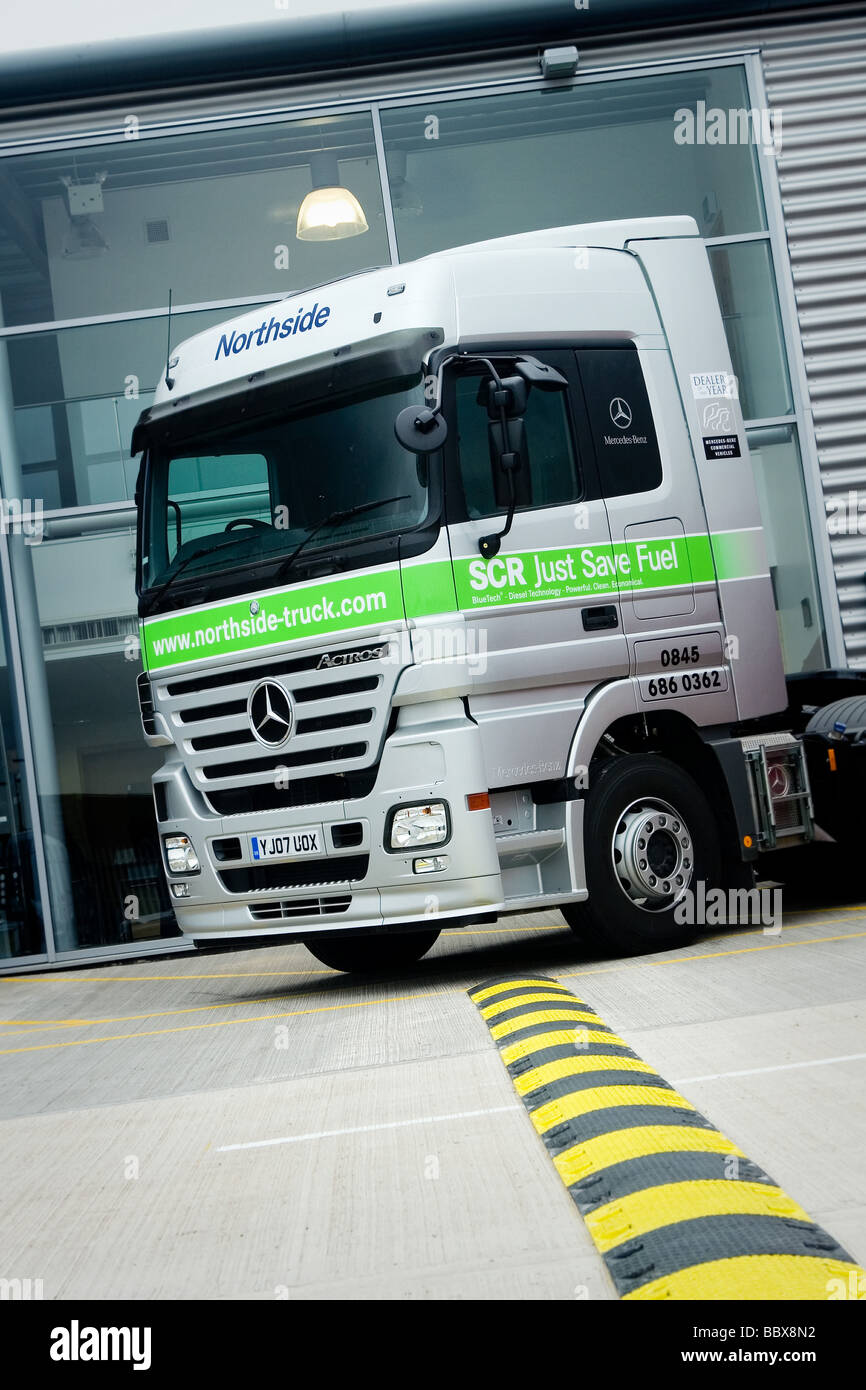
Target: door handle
[[596, 618]]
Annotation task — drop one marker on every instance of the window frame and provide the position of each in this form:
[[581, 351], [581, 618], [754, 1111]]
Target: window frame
[[557, 355]]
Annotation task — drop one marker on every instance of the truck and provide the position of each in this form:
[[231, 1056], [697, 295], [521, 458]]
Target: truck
[[454, 602]]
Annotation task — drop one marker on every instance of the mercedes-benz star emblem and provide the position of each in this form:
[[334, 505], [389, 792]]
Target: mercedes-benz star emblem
[[270, 714], [620, 413]]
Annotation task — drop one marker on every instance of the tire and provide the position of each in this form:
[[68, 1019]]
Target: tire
[[367, 954], [628, 908], [837, 794]]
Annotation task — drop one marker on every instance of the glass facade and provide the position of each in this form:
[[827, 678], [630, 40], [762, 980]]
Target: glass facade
[[489, 166], [93, 240]]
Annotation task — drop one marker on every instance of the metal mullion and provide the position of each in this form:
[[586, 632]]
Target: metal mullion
[[126, 950], [19, 694], [133, 315], [811, 467], [735, 237], [588, 77], [190, 125], [387, 204], [772, 421]]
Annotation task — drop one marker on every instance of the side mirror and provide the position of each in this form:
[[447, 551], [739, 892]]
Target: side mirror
[[420, 430]]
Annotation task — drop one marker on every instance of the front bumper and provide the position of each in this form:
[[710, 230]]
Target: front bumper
[[434, 754]]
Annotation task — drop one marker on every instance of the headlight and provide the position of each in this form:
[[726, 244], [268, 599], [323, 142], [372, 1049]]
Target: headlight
[[426, 824], [180, 855]]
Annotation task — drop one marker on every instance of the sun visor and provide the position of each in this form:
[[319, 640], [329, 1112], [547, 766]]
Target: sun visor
[[341, 371]]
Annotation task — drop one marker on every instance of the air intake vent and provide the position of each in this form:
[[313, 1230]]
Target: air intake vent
[[262, 878], [157, 231], [302, 907]]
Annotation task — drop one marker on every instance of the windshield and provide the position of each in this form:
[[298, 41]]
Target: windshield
[[254, 493]]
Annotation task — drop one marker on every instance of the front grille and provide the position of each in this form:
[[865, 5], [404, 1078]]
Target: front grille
[[339, 726], [261, 878], [302, 907]]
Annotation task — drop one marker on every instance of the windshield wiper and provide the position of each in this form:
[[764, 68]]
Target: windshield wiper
[[335, 518], [187, 560]]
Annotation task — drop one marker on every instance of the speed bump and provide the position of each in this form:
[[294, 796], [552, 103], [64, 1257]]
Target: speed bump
[[674, 1207]]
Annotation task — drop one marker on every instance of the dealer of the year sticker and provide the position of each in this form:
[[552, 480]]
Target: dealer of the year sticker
[[720, 441]]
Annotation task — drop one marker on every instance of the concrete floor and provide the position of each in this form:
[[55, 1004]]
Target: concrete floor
[[139, 1105]]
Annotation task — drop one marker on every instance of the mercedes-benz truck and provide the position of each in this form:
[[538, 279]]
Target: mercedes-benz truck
[[455, 602]]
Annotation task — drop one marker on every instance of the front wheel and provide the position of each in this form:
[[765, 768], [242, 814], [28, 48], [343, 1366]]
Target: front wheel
[[650, 837], [370, 954]]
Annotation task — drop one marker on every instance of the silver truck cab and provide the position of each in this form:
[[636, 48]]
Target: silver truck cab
[[503, 661]]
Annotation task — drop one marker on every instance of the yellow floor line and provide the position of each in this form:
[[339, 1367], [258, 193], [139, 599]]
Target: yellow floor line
[[683, 959]]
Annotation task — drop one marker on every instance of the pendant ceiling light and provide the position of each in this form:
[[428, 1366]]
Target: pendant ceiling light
[[330, 212]]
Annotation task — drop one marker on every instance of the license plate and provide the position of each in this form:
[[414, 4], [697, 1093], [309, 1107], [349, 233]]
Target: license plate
[[302, 842]]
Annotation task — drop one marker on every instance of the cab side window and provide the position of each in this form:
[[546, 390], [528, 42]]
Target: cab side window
[[620, 420], [549, 475]]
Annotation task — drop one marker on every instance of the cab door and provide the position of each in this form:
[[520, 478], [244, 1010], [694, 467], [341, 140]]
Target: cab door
[[670, 603], [543, 615]]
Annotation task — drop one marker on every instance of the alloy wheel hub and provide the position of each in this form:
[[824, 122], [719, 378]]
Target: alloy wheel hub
[[653, 856]]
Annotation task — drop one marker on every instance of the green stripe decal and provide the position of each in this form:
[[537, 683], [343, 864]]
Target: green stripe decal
[[428, 588], [739, 554], [675, 1208], [583, 571], [338, 606], [346, 604]]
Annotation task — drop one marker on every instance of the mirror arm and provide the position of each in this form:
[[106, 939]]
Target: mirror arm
[[489, 545]]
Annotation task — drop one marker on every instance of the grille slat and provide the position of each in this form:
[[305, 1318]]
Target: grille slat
[[230, 739], [272, 764], [361, 686], [198, 714], [346, 720]]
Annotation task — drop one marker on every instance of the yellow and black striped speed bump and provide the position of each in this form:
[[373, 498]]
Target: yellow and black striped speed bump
[[675, 1208]]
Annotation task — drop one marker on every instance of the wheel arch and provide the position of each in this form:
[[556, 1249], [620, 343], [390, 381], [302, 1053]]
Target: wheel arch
[[672, 735]]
